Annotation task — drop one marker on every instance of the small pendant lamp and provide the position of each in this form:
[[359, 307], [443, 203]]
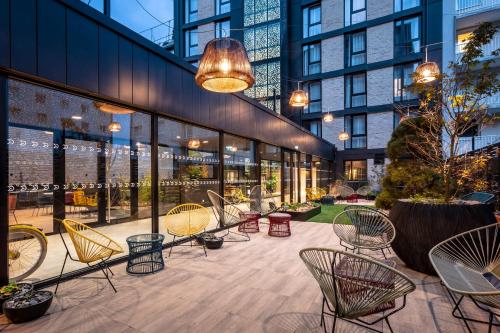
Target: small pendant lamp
[[194, 144], [224, 67], [114, 126], [328, 118], [427, 71], [299, 97], [343, 136]]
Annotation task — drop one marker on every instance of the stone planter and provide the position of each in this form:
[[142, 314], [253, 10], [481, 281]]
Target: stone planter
[[420, 226]]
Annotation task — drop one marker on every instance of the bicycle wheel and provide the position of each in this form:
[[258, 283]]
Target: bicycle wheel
[[27, 251]]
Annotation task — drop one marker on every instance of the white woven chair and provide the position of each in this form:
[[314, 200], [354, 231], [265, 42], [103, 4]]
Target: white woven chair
[[469, 265], [355, 286], [228, 216]]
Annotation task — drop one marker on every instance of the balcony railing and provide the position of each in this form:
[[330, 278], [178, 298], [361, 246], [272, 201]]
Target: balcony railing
[[161, 34], [468, 144], [466, 7], [493, 45]]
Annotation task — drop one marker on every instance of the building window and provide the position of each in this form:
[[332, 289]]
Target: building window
[[311, 20], [355, 11], [402, 80], [257, 11], [355, 90], [312, 58], [400, 5], [313, 90], [222, 29], [191, 40], [314, 126], [191, 10], [222, 6], [355, 170], [407, 36], [396, 119], [355, 49], [356, 127], [96, 4]]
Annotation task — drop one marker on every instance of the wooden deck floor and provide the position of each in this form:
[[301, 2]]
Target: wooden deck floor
[[256, 286]]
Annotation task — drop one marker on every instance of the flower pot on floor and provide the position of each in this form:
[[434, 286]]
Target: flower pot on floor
[[25, 307], [420, 226], [13, 290], [211, 241]]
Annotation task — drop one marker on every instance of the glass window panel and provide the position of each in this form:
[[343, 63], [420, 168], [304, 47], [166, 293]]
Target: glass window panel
[[96, 4], [159, 29], [270, 172]]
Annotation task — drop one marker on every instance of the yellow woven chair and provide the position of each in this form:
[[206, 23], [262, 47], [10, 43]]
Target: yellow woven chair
[[187, 220], [92, 201], [91, 246]]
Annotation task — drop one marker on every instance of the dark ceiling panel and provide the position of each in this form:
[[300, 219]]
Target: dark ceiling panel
[[82, 52], [125, 69], [140, 76], [23, 35], [108, 63], [51, 25], [157, 82], [4, 33]]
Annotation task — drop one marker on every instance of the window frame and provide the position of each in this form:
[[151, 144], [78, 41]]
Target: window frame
[[307, 47], [307, 87], [189, 12], [351, 12], [349, 78], [307, 26], [351, 161], [187, 42], [219, 32], [400, 70], [402, 48], [319, 127], [348, 50], [219, 4], [401, 7], [348, 143]]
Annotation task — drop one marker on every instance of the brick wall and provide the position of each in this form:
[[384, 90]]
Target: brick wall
[[205, 37], [331, 131], [333, 93], [379, 129], [332, 15], [378, 8], [380, 86], [332, 54], [380, 42]]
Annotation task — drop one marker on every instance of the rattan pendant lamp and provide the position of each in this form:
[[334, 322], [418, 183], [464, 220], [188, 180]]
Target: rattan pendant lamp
[[328, 118], [343, 136], [427, 71], [224, 67], [299, 98]]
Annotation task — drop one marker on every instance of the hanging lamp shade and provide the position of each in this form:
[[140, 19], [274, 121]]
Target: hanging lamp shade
[[328, 118], [194, 143], [343, 136], [113, 109], [224, 67], [299, 98], [114, 126], [427, 72]]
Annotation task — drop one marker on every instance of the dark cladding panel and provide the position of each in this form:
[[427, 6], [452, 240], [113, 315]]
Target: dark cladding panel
[[23, 35], [204, 106], [197, 107], [4, 33], [82, 51], [185, 108], [157, 82], [51, 25], [140, 76], [173, 93], [108, 63], [125, 69]]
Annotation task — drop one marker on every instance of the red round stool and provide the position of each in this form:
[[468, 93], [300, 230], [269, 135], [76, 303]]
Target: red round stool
[[279, 225], [252, 222]]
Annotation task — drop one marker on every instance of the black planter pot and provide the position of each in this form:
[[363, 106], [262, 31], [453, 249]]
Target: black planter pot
[[211, 242], [24, 288], [421, 226], [30, 312]]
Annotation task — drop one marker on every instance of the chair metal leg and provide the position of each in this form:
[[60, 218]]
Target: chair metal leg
[[103, 267], [388, 324], [170, 252], [457, 307], [334, 323], [205, 249], [383, 254], [62, 270]]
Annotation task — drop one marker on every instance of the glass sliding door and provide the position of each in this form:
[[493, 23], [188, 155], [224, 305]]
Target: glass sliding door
[[76, 158], [287, 176], [270, 170], [305, 176]]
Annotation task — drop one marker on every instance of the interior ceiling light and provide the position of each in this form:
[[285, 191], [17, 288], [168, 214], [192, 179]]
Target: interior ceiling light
[[114, 126], [427, 71], [296, 147], [113, 109], [224, 67], [343, 136], [194, 143], [205, 141], [299, 98], [328, 118], [76, 117]]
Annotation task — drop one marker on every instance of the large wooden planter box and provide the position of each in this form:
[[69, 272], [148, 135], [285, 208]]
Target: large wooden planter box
[[304, 215]]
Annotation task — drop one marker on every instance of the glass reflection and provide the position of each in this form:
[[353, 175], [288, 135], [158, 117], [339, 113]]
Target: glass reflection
[[270, 169]]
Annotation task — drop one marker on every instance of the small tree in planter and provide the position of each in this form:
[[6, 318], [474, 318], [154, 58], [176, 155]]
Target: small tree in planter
[[447, 109]]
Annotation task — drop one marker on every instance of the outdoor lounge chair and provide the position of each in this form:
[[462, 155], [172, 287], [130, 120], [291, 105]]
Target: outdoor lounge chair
[[364, 228], [469, 265], [187, 220], [92, 248], [355, 286], [228, 215]]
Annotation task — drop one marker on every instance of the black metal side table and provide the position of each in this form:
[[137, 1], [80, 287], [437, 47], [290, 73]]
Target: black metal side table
[[145, 254]]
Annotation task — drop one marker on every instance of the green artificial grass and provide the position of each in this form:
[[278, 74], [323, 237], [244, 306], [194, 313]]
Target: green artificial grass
[[328, 213]]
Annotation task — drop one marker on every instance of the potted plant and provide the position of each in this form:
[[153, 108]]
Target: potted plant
[[210, 240], [425, 182], [28, 306], [13, 289]]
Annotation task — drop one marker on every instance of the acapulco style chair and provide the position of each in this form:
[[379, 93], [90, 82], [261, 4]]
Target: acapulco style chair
[[228, 215], [469, 265], [364, 228], [355, 286]]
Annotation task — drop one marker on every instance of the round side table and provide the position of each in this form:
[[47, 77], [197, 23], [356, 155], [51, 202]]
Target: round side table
[[252, 222], [145, 254], [279, 225]]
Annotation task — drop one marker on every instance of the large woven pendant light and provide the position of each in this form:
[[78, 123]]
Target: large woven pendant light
[[224, 67], [112, 109], [299, 98], [427, 71]]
